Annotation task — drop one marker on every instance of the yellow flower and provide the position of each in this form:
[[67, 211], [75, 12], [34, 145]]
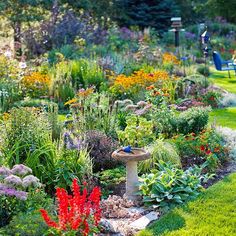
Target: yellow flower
[[169, 58], [140, 78], [71, 101]]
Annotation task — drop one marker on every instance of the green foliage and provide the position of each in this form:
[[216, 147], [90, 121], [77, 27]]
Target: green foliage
[[202, 216], [72, 164], [26, 133], [155, 14], [169, 186], [39, 103], [193, 120], [203, 70], [161, 151], [95, 112], [211, 98], [110, 178], [26, 224], [220, 7], [138, 132], [208, 147]]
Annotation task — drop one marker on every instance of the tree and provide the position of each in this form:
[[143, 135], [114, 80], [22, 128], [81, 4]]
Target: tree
[[18, 12], [146, 13], [226, 9]]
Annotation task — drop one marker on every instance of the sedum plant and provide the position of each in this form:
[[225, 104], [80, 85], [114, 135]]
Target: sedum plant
[[169, 186], [17, 186]]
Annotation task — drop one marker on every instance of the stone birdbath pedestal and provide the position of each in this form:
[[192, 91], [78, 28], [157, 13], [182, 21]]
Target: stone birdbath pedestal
[[131, 159]]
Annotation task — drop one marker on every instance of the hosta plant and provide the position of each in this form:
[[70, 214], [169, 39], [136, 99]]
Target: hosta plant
[[169, 186]]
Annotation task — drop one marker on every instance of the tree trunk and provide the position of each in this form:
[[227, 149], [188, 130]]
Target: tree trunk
[[17, 39]]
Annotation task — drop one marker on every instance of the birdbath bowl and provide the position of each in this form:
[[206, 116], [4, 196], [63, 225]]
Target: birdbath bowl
[[131, 160]]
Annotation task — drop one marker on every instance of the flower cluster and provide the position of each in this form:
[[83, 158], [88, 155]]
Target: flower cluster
[[36, 84], [13, 181], [82, 93], [169, 58], [72, 143], [77, 212], [140, 78]]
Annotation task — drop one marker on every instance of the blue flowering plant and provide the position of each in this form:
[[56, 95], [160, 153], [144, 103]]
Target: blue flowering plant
[[16, 187]]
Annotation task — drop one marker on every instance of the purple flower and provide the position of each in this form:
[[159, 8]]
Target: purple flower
[[21, 170], [142, 103], [11, 192], [13, 180], [31, 181], [4, 171]]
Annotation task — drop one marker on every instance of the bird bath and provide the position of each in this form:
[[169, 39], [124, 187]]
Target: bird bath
[[131, 159]]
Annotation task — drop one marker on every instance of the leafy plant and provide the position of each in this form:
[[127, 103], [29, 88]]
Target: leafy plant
[[161, 151], [138, 132], [25, 224], [169, 186], [110, 178], [100, 147], [192, 120]]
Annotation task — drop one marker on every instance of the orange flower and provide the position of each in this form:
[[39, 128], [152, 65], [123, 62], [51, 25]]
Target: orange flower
[[140, 78], [150, 87], [169, 58]]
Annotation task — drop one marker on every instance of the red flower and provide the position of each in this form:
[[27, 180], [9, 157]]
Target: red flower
[[208, 152], [202, 148], [76, 210]]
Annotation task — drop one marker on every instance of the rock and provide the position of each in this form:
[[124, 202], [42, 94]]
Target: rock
[[144, 221], [106, 226]]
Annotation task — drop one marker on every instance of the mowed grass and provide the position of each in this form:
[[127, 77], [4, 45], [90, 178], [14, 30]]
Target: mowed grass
[[224, 117], [213, 213], [221, 79]]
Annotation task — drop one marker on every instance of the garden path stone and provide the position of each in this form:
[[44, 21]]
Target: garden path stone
[[144, 221]]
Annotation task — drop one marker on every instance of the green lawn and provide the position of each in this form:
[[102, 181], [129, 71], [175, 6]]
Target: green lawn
[[220, 78], [224, 117], [212, 214]]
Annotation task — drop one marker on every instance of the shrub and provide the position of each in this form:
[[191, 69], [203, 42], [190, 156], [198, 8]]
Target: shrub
[[211, 98], [228, 100], [203, 70], [77, 213], [161, 151], [25, 224], [207, 146], [169, 186], [193, 120], [38, 103], [110, 178], [101, 148]]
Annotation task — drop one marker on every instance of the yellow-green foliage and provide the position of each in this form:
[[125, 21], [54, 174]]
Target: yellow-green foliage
[[213, 213]]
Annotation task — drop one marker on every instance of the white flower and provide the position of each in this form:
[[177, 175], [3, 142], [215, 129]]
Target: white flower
[[8, 54], [22, 65]]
